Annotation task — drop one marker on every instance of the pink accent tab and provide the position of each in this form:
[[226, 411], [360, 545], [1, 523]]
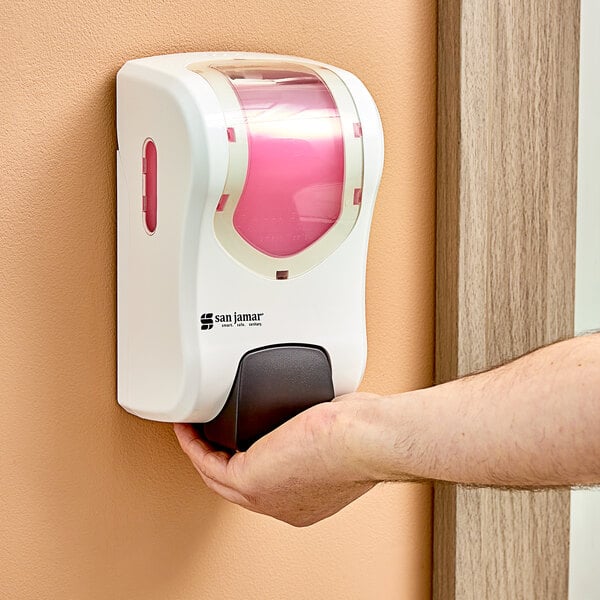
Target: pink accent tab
[[231, 134], [357, 196], [282, 274], [222, 202], [357, 130], [149, 201], [293, 191]]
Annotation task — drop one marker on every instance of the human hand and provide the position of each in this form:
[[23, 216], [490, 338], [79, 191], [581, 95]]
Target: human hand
[[304, 471]]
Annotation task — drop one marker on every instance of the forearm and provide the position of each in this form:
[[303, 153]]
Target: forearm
[[534, 422]]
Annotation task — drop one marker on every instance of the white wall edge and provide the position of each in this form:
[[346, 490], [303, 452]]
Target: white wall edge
[[584, 560]]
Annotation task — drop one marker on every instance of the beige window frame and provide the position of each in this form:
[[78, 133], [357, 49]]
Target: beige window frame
[[229, 238]]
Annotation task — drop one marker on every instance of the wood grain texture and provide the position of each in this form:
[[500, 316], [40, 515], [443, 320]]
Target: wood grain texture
[[507, 138]]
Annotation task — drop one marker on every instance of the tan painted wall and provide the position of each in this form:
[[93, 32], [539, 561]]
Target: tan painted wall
[[94, 503]]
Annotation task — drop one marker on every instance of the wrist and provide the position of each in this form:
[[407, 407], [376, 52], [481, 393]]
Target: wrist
[[381, 437]]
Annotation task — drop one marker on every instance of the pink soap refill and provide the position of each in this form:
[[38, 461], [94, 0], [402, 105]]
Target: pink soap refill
[[294, 182]]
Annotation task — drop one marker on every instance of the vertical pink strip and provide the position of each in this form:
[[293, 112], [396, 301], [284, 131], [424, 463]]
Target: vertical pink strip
[[222, 202], [150, 197]]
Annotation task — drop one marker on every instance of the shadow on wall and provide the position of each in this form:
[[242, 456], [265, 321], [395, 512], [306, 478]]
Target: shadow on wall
[[114, 492]]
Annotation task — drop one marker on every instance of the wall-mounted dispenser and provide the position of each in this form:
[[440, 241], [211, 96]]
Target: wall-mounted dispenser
[[246, 185]]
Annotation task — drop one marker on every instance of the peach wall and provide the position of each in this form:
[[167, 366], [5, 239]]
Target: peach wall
[[94, 503]]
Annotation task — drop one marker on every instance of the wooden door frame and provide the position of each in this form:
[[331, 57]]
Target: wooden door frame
[[506, 202]]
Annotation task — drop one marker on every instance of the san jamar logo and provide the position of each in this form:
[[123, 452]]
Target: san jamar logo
[[207, 321], [235, 319]]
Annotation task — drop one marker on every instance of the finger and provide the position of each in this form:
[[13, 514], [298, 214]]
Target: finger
[[208, 460], [188, 437], [229, 494], [185, 433]]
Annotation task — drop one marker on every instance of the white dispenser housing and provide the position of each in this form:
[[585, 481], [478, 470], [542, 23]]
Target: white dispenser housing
[[246, 186]]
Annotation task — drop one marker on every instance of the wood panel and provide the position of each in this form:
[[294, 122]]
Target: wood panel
[[507, 139]]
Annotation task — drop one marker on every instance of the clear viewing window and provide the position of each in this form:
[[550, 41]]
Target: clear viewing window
[[293, 190]]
